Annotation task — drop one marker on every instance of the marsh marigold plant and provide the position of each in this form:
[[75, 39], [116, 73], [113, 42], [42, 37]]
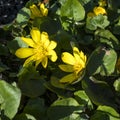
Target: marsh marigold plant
[[75, 64], [38, 12], [39, 50]]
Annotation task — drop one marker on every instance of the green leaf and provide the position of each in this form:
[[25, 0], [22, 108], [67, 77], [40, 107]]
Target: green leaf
[[83, 99], [109, 62], [15, 44], [103, 61], [58, 91], [94, 89], [107, 37], [47, 24], [10, 96], [56, 83], [36, 107], [30, 82], [117, 85], [105, 113], [73, 10], [65, 109], [23, 16], [63, 39], [99, 21], [95, 61], [24, 116], [116, 28]]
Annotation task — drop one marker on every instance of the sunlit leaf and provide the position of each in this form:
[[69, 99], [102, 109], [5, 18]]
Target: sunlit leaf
[[98, 21], [65, 109], [11, 97], [117, 85], [23, 16], [106, 37], [105, 113], [82, 98], [73, 9]]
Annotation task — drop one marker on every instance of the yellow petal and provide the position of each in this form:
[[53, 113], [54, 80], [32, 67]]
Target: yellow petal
[[52, 45], [68, 58], [35, 11], [66, 68], [28, 60], [52, 55], [99, 10], [83, 57], [29, 41], [24, 52], [35, 34], [45, 39], [45, 62], [68, 78], [76, 54], [43, 9]]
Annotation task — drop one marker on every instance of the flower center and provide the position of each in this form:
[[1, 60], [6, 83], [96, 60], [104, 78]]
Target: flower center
[[77, 68], [40, 52]]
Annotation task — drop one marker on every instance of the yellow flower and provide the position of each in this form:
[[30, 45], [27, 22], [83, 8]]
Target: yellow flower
[[99, 10], [35, 12], [74, 63], [96, 11], [40, 48], [102, 3]]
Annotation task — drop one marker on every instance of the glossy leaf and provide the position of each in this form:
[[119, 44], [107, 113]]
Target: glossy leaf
[[73, 10], [94, 89], [95, 61], [15, 44], [117, 85], [23, 16], [105, 113], [103, 61], [83, 99], [36, 107], [10, 97], [30, 82], [106, 37], [109, 62], [95, 22], [65, 109]]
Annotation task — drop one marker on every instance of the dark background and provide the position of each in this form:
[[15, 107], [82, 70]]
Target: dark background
[[9, 10]]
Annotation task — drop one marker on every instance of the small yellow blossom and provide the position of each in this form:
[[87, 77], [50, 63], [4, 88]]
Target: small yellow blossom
[[35, 12], [99, 10], [40, 48], [102, 3], [74, 63]]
